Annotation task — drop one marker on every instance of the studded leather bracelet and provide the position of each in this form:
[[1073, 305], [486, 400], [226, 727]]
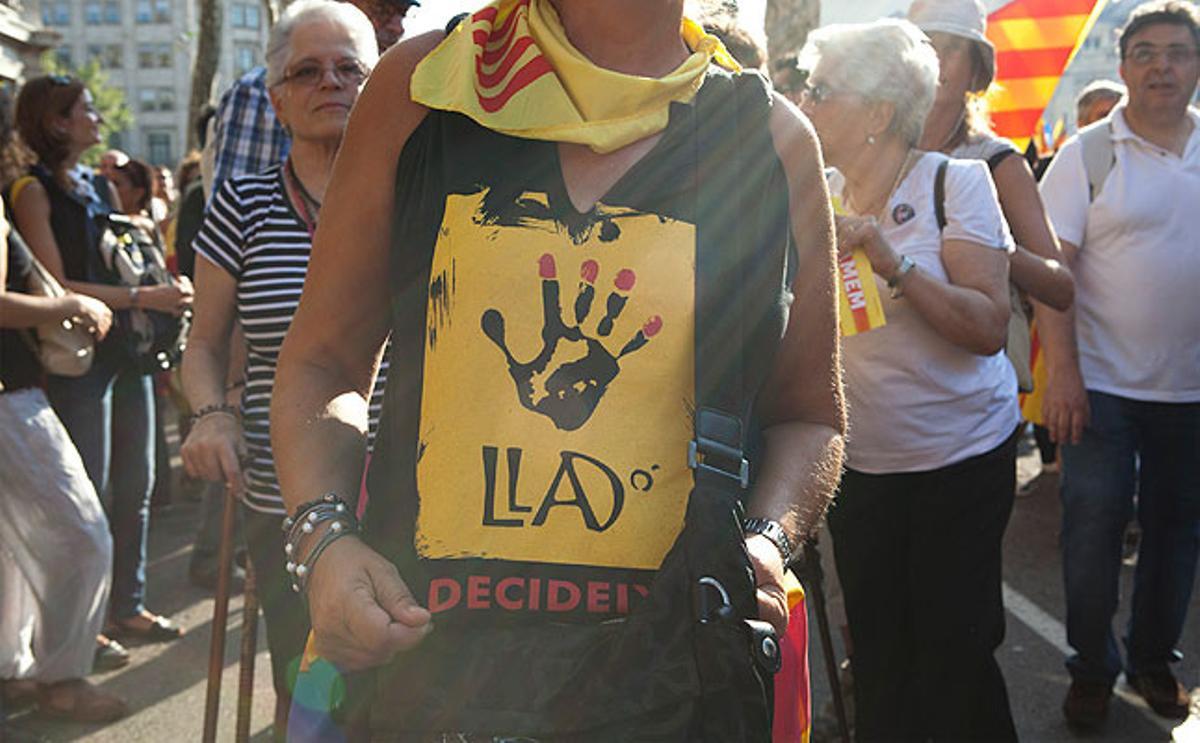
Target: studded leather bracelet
[[309, 516]]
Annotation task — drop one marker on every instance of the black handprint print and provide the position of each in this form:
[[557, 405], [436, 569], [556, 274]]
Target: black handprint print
[[566, 380]]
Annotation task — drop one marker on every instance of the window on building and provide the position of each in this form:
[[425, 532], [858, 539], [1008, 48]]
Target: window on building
[[158, 147], [153, 11], [156, 99], [112, 12], [244, 15], [245, 57], [110, 56], [151, 56], [63, 57], [92, 12], [56, 12]]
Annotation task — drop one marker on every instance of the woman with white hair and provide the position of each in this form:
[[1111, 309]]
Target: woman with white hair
[[926, 496], [255, 242]]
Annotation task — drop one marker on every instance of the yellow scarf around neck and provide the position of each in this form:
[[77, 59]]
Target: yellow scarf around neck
[[511, 68]]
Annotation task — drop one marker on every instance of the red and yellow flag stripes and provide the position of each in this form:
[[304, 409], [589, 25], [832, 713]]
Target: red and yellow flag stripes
[[1035, 41]]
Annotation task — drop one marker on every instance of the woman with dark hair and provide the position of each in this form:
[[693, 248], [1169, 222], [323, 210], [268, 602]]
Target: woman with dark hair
[[109, 411], [55, 565], [134, 181]]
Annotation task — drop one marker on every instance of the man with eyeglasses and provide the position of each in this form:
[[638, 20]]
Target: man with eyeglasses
[[1123, 394]]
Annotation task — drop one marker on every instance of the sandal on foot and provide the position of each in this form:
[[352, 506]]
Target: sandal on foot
[[110, 655], [78, 701], [160, 629]]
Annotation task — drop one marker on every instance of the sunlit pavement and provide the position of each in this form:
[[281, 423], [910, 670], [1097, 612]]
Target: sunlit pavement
[[165, 684]]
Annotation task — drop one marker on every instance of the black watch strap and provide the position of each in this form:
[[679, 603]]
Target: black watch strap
[[774, 531]]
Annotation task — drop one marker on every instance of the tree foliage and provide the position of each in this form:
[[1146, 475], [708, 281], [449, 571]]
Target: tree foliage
[[109, 100]]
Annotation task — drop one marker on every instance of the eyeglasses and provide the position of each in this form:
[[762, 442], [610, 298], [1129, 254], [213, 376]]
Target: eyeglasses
[[1147, 54], [818, 93], [310, 74]]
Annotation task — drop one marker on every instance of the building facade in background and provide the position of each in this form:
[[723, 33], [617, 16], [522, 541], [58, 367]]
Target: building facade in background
[[147, 48], [22, 41]]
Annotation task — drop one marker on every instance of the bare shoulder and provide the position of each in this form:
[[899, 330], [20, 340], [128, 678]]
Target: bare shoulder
[[31, 204], [795, 139], [386, 102]]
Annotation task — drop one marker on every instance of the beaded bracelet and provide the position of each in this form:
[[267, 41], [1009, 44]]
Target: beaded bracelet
[[222, 407]]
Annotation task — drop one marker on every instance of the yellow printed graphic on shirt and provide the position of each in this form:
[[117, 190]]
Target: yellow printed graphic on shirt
[[558, 385], [859, 306]]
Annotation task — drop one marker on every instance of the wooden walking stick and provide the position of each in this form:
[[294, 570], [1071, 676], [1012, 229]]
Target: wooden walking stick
[[249, 650], [216, 647]]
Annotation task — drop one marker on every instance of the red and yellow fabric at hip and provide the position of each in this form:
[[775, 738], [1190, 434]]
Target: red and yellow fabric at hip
[[511, 67]]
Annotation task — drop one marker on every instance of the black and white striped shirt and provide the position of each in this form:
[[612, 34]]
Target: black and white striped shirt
[[252, 232]]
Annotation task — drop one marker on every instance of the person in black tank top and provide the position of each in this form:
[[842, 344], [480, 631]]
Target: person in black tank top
[[55, 570], [109, 411], [531, 470]]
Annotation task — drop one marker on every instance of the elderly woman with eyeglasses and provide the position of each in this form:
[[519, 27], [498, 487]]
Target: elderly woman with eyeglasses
[[926, 496], [254, 244]]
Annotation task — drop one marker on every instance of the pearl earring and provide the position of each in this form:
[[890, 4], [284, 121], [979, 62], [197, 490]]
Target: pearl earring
[[870, 139]]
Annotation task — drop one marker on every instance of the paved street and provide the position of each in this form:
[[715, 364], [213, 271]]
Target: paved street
[[165, 684]]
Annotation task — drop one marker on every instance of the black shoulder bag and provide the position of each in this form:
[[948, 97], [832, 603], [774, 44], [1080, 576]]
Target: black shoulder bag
[[132, 256]]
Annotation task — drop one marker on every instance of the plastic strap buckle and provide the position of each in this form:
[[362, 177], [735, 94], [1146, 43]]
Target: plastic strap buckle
[[717, 447]]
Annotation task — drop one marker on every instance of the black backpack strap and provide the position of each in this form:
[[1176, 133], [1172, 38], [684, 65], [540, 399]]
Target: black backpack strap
[[994, 161], [724, 111], [939, 194]]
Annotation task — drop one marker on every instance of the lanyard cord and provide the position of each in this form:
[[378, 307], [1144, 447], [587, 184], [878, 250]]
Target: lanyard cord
[[308, 207]]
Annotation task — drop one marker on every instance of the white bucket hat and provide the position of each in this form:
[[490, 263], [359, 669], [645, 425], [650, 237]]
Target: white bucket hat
[[964, 18]]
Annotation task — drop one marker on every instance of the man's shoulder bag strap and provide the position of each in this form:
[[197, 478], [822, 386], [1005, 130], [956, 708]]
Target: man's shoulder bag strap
[[1099, 155]]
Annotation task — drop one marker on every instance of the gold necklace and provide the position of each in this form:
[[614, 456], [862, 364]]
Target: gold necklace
[[904, 167]]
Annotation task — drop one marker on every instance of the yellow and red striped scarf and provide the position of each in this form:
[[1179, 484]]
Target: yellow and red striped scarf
[[511, 68]]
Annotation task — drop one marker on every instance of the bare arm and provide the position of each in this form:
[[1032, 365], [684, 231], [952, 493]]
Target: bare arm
[[31, 213], [19, 310], [212, 448], [970, 310], [362, 612], [1064, 403], [803, 456], [1036, 267]]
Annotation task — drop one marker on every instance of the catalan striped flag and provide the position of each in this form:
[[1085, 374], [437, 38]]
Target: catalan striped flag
[[1035, 41]]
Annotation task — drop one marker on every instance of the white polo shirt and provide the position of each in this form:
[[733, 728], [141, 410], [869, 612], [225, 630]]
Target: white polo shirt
[[1137, 274]]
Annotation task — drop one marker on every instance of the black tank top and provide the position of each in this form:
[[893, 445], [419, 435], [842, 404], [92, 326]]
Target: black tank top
[[531, 463]]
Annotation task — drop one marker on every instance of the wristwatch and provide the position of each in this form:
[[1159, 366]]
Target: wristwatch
[[774, 531], [906, 265]]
